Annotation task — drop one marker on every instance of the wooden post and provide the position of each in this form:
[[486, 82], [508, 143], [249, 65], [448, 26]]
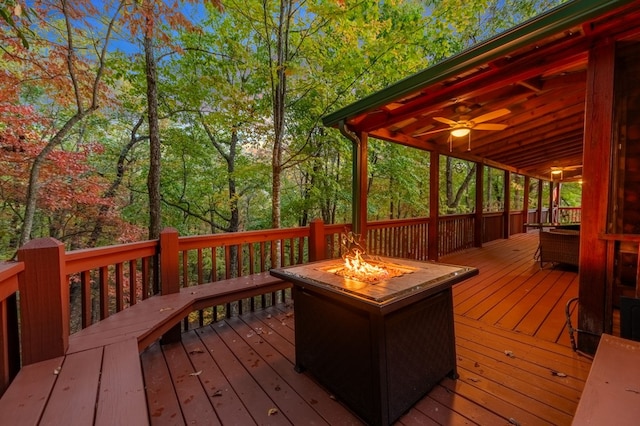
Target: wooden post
[[539, 215], [361, 186], [597, 158], [170, 274], [478, 224], [317, 243], [44, 300], [506, 225], [434, 206], [552, 209], [525, 203]]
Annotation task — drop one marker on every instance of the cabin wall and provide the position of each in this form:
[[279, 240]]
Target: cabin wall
[[625, 212]]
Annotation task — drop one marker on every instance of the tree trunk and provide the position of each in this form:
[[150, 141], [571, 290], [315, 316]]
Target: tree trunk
[[153, 179]]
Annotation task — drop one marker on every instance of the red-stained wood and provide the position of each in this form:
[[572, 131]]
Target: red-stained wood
[[162, 403], [194, 403], [44, 301], [121, 398], [73, 398], [23, 405], [598, 129], [433, 244]]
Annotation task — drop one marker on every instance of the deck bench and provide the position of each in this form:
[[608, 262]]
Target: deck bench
[[611, 394], [99, 380]]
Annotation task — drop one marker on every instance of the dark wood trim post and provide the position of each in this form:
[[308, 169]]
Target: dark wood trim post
[[44, 300], [525, 202], [170, 274], [506, 223], [597, 159], [362, 176], [540, 183], [317, 242], [434, 206], [478, 225]]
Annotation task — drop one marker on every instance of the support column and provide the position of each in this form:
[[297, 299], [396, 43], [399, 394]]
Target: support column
[[170, 274], [539, 214], [525, 203], [507, 205], [434, 206], [478, 224], [598, 142]]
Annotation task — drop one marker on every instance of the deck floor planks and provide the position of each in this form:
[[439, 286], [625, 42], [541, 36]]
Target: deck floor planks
[[228, 406], [551, 298], [193, 401], [530, 298], [162, 402], [283, 364], [256, 351], [490, 278], [257, 402]]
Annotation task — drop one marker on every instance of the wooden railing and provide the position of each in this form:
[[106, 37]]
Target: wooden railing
[[9, 340], [107, 280], [456, 233], [569, 214], [405, 238]]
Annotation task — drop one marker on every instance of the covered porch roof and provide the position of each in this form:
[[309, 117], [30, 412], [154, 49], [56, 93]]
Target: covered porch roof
[[536, 71]]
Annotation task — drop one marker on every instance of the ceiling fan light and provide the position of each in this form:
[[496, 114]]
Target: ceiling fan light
[[556, 172], [458, 133]]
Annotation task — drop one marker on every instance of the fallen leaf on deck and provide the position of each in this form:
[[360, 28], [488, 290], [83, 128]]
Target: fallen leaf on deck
[[57, 371], [558, 374], [514, 421], [633, 390], [272, 411], [509, 354], [473, 379], [165, 309], [217, 393], [196, 351], [477, 364], [197, 373]]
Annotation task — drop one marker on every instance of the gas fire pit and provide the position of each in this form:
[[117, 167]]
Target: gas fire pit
[[378, 345]]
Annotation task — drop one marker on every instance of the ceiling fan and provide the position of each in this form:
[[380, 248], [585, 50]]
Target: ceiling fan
[[465, 124]]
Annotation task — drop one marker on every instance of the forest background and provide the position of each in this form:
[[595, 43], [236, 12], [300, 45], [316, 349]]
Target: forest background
[[120, 117]]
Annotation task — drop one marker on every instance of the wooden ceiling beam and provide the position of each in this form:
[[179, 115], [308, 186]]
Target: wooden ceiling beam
[[564, 54]]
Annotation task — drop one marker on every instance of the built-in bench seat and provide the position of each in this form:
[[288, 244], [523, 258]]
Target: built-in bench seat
[[611, 394], [99, 379]]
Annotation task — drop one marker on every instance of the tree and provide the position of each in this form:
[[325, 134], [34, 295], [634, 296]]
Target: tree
[[76, 80]]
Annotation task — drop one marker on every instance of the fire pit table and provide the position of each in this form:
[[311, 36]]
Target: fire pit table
[[377, 346]]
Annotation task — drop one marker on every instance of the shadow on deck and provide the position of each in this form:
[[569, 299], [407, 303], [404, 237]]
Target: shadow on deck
[[513, 354]]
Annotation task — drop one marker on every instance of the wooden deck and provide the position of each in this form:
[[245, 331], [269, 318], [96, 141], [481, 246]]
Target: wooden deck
[[514, 358]]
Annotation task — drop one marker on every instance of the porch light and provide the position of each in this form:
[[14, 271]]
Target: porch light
[[458, 133]]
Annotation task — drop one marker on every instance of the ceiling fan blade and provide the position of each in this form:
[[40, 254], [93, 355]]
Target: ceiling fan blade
[[446, 121], [431, 132], [489, 126], [490, 115]]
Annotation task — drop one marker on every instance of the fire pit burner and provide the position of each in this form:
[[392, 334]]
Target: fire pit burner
[[379, 347]]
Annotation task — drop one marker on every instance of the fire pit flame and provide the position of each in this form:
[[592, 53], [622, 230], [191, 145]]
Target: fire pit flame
[[355, 267], [358, 269]]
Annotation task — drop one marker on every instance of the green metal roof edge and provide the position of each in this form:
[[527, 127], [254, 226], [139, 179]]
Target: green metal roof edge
[[551, 22]]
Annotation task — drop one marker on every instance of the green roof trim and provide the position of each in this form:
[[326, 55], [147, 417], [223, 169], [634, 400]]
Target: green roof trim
[[558, 19]]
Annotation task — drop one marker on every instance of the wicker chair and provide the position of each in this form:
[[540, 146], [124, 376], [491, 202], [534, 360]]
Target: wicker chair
[[559, 246]]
